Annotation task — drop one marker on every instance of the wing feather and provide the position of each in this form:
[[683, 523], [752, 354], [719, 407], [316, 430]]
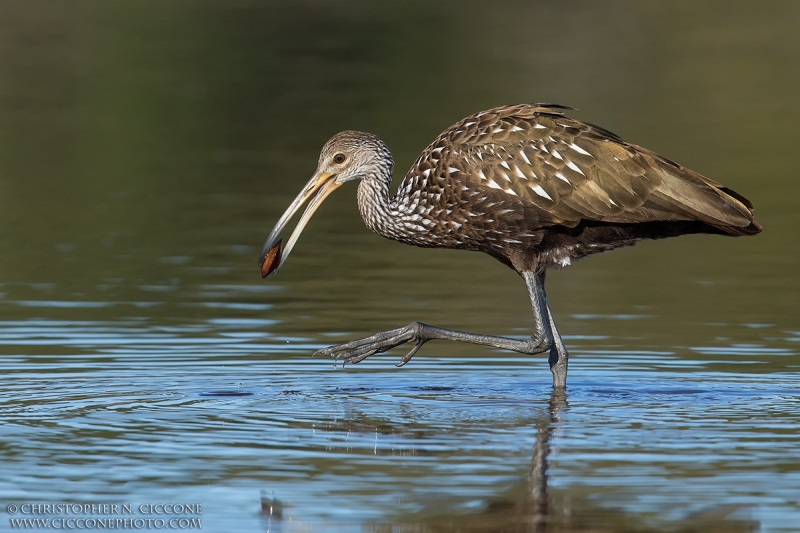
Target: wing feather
[[572, 171]]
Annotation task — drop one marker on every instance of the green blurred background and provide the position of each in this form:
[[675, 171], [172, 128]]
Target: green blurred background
[[153, 143]]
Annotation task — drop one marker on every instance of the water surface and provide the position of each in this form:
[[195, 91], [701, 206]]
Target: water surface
[[145, 152]]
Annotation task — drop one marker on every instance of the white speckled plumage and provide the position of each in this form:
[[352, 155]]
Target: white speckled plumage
[[541, 170], [551, 188]]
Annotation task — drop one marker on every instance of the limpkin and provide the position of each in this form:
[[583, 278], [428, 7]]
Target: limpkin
[[525, 184]]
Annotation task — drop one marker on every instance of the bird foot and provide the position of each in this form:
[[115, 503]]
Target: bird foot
[[357, 350]]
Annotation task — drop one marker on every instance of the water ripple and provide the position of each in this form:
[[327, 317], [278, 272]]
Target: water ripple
[[133, 407]]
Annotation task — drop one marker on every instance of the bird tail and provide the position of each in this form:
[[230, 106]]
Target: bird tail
[[754, 228], [707, 201]]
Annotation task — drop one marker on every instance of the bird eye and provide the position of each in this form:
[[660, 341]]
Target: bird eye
[[339, 159]]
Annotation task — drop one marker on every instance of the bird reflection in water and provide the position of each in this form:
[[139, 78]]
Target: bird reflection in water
[[530, 507], [271, 513]]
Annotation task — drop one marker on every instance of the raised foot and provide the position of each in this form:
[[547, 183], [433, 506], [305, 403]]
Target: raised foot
[[383, 341]]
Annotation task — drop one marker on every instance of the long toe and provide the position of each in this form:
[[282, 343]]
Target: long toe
[[357, 350]]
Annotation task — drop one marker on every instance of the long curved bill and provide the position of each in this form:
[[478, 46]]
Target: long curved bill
[[320, 186]]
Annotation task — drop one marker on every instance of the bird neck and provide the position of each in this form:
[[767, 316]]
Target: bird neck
[[374, 203]]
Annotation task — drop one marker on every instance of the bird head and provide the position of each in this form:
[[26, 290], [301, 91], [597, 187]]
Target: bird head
[[347, 156]]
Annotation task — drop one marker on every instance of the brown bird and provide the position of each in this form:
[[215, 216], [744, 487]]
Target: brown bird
[[528, 186]]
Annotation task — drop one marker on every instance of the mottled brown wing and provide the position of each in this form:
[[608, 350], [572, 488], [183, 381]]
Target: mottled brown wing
[[573, 171]]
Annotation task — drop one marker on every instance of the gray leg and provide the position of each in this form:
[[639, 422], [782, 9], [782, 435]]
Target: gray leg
[[545, 337], [559, 357]]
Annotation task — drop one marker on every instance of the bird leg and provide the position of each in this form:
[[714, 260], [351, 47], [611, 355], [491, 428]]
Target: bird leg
[[545, 337], [559, 357]]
